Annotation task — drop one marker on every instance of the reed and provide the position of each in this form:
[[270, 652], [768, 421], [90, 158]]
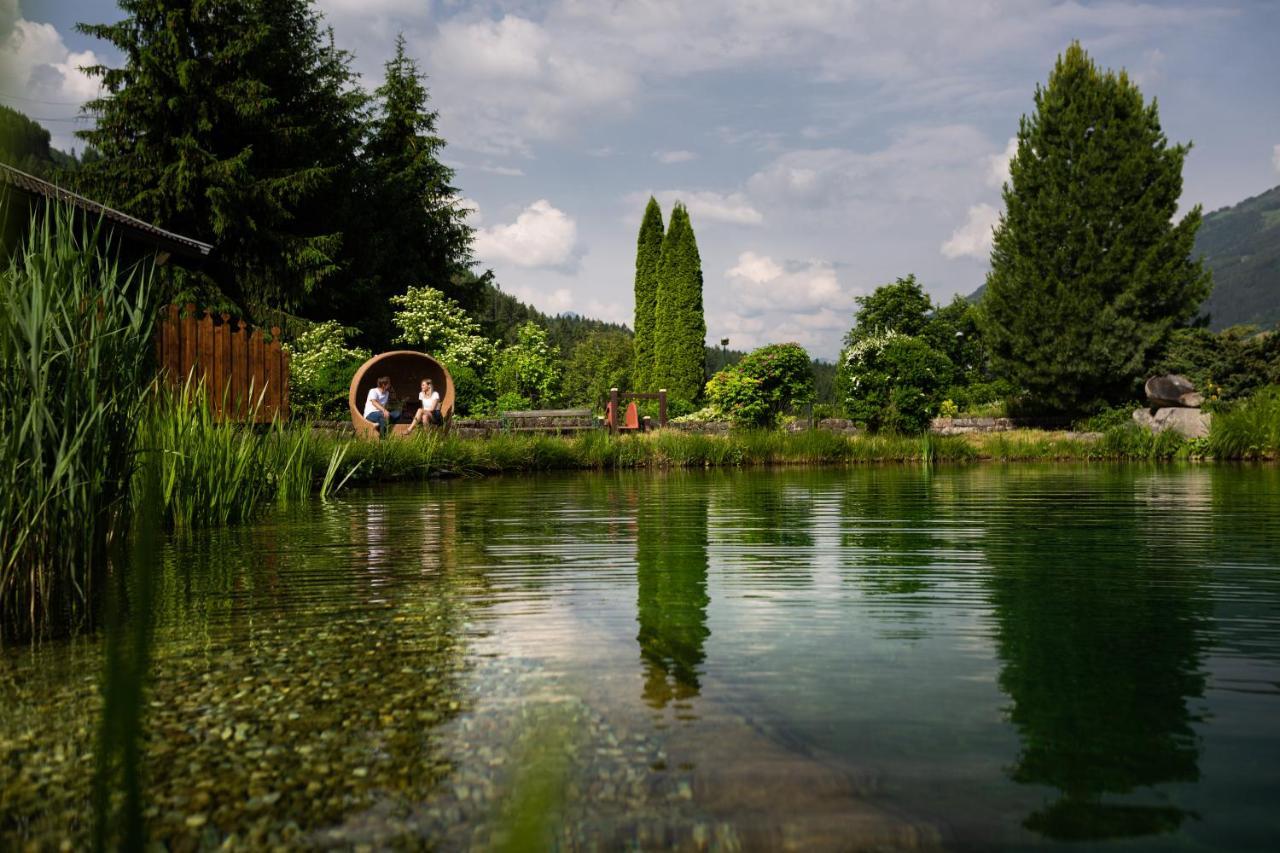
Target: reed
[[75, 352], [1250, 430]]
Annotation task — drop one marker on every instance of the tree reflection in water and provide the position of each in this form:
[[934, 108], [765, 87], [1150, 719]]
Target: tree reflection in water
[[671, 577], [1100, 665]]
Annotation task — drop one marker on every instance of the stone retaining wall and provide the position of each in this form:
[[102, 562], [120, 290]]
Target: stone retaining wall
[[960, 426]]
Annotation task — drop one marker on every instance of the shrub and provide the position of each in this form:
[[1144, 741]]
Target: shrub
[[440, 327], [511, 402], [738, 397], [320, 369], [895, 382], [473, 393], [1230, 364], [785, 372], [529, 368]]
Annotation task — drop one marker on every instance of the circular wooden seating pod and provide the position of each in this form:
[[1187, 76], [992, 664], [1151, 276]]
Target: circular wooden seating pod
[[406, 369]]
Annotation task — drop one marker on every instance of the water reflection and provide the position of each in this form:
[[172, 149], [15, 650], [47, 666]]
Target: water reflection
[[1098, 634], [671, 581]]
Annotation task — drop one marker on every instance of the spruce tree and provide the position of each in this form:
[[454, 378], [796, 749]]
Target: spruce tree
[[236, 122], [412, 231], [680, 329], [648, 254], [1089, 272]]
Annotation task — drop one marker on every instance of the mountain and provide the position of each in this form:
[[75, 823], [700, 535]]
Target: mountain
[[1241, 246], [24, 144]]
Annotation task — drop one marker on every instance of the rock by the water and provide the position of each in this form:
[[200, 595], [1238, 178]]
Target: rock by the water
[[1187, 422], [1168, 390]]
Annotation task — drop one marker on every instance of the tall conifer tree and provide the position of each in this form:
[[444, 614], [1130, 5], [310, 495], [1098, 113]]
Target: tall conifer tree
[[412, 231], [680, 329], [648, 254], [236, 122], [1089, 272]]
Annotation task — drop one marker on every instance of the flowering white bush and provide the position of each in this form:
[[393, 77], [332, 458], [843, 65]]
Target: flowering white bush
[[320, 366], [439, 326]]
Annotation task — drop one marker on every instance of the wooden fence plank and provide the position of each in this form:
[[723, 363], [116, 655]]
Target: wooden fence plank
[[235, 363]]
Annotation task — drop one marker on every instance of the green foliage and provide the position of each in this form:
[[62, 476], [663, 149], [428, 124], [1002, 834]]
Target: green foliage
[[895, 382], [434, 323], [75, 357], [1089, 273], [412, 227], [1241, 246], [321, 365], [24, 144], [738, 397], [472, 391], [680, 329], [764, 385], [511, 401], [529, 368], [648, 254], [902, 307], [954, 331], [1250, 429], [237, 122], [601, 361], [1229, 364]]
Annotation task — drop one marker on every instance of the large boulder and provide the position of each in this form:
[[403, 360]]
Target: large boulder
[[1187, 422], [1170, 390]]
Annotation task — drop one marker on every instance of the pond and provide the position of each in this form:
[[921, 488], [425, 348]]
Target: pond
[[889, 657]]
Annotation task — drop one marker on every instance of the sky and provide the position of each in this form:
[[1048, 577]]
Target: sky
[[822, 147]]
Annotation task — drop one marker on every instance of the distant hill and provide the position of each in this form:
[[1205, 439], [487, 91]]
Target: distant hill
[[1241, 246], [24, 144]]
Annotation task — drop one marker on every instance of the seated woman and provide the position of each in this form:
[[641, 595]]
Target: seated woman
[[430, 411], [375, 405]]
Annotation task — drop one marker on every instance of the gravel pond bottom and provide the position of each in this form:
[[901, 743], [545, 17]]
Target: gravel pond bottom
[[887, 658]]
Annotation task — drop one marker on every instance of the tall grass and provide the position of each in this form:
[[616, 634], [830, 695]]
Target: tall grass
[[75, 352], [1250, 430], [215, 472]]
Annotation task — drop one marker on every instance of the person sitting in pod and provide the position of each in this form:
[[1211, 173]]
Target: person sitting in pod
[[375, 405]]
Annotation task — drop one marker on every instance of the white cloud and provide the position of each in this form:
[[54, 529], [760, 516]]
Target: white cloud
[[1275, 157], [542, 236], [973, 238], [915, 166], [36, 63], [734, 208], [998, 164], [762, 285], [677, 156]]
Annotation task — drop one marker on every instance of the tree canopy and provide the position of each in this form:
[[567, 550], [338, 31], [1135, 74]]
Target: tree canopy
[[1089, 271], [680, 328]]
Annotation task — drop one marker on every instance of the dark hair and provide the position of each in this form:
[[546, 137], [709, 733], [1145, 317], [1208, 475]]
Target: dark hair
[[386, 379]]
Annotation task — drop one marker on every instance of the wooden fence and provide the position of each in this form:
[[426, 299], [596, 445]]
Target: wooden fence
[[237, 363]]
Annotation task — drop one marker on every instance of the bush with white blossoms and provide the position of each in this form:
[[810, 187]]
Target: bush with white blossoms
[[893, 382], [320, 368], [437, 325]]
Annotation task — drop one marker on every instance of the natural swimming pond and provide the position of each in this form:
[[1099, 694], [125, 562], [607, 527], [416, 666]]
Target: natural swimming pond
[[965, 658]]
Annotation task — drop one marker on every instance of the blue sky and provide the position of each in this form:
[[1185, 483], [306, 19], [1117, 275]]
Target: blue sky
[[822, 148]]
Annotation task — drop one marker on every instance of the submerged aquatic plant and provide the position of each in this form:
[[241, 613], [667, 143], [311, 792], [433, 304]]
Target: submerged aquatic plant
[[75, 352]]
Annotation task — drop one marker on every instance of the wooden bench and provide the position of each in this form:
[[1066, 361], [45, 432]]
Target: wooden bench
[[550, 420]]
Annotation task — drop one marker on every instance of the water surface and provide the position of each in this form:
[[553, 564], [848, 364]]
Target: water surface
[[957, 658]]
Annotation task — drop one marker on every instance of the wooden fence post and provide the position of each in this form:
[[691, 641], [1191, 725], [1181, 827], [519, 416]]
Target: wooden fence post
[[613, 400], [662, 407]]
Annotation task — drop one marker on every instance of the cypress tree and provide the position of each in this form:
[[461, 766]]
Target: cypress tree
[[412, 231], [236, 122], [680, 329], [1089, 272], [648, 253]]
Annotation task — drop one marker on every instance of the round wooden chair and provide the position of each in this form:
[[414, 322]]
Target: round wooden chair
[[406, 369]]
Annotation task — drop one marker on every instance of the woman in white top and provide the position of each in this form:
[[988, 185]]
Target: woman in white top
[[430, 411]]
